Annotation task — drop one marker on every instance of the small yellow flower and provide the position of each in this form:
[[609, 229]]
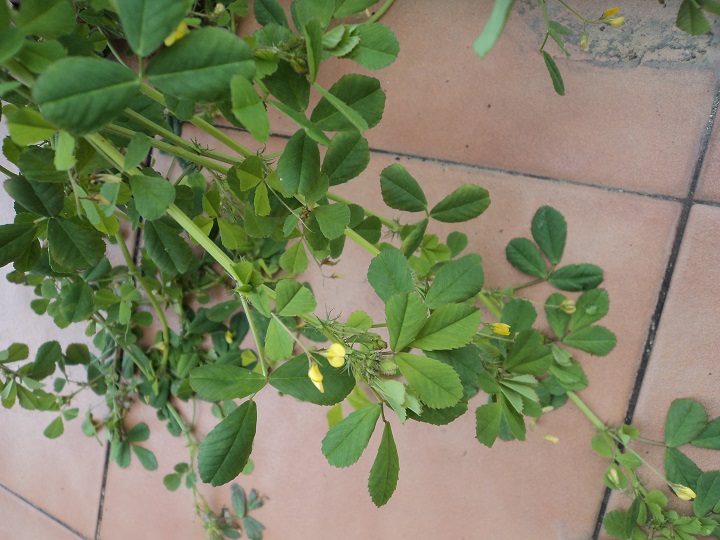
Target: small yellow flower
[[500, 329], [316, 377], [552, 439], [609, 12], [229, 337], [180, 32], [683, 492], [617, 21], [584, 42], [568, 306], [336, 355]]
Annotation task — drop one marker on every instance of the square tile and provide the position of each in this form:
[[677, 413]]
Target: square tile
[[20, 521]]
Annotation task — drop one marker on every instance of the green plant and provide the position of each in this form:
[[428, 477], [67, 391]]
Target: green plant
[[82, 124]]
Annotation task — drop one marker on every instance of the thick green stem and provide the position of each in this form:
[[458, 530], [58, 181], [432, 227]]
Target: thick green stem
[[594, 420], [355, 237], [490, 305], [390, 224], [132, 270], [8, 172], [380, 12]]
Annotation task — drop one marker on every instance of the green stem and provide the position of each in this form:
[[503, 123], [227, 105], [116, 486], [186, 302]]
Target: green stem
[[594, 420], [352, 235], [8, 172], [650, 441], [132, 270], [256, 336], [528, 284], [390, 224], [583, 19], [490, 305], [380, 12]]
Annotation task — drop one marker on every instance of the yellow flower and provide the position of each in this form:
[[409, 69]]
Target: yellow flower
[[683, 492], [609, 12], [568, 306], [180, 32], [229, 337], [316, 377], [617, 21], [500, 329], [584, 42], [552, 439], [336, 355]]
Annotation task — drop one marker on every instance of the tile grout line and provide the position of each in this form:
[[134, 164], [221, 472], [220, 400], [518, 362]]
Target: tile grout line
[[43, 512], [509, 172], [103, 485], [687, 203]]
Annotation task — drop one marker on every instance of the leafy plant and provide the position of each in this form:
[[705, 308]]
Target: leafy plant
[[82, 124]]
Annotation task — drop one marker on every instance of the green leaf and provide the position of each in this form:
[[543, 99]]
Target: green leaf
[[710, 437], [487, 423], [349, 113], [314, 132], [347, 156], [514, 420], [711, 6], [389, 274], [148, 22], [37, 164], [39, 198], [361, 93], [15, 240], [465, 203], [557, 318], [493, 27], [292, 378], [518, 314], [138, 433], [27, 126], [167, 248], [405, 314], [708, 494], [253, 528], [269, 12], [37, 55], [332, 219], [73, 245], [146, 457], [523, 255], [261, 201], [549, 230], [239, 500], [226, 449], [278, 343], [172, 481], [152, 195], [249, 108], [591, 307], [378, 46], [414, 239], [686, 419], [290, 87], [528, 354], [46, 18], [55, 428], [385, 470], [450, 326], [216, 382], [64, 151], [576, 277], [299, 165], [48, 355], [596, 340], [466, 363], [435, 383], [370, 229], [293, 299], [76, 302], [82, 94], [200, 66], [345, 442], [401, 191], [691, 19], [456, 242], [295, 259], [345, 8], [614, 523], [680, 469], [456, 281], [555, 75], [312, 32]]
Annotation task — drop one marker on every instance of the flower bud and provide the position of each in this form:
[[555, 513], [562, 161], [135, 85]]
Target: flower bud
[[219, 8], [568, 306], [552, 439], [180, 32], [683, 492], [500, 329], [609, 12], [316, 377], [584, 42], [336, 355], [617, 21], [229, 337]]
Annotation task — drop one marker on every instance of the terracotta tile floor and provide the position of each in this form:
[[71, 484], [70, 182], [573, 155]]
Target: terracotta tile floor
[[626, 156]]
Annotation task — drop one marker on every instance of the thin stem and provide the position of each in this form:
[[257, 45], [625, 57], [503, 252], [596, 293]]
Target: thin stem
[[583, 19], [132, 270], [490, 305], [291, 334], [352, 235], [594, 420], [380, 12], [650, 441], [390, 224], [528, 284], [8, 172]]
